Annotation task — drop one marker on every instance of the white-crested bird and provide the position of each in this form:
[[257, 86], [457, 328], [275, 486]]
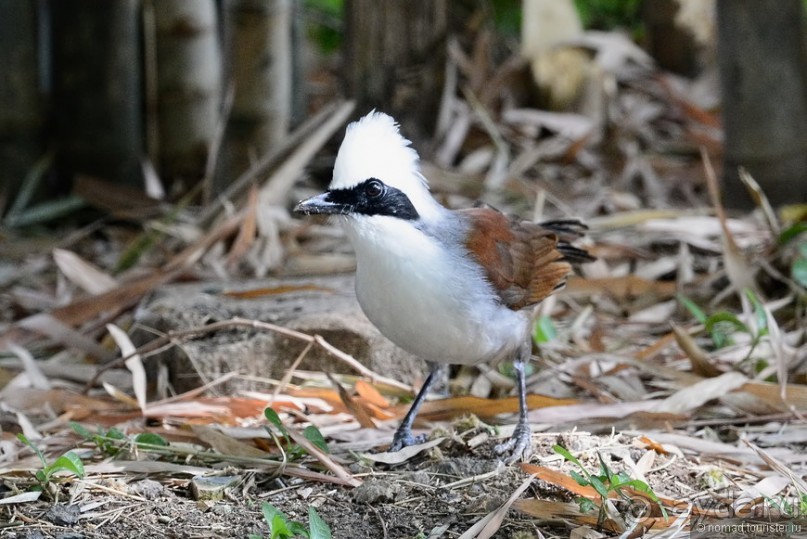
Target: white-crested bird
[[450, 286]]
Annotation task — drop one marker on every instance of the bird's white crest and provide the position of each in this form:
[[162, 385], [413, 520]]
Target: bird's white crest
[[373, 147]]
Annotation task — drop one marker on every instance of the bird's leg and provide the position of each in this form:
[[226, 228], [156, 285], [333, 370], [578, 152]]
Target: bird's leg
[[403, 436], [519, 445]]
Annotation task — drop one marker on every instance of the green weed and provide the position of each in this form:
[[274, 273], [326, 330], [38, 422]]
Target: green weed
[[605, 483], [69, 462], [280, 527], [294, 451]]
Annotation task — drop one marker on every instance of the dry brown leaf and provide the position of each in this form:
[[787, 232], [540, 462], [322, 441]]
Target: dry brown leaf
[[621, 288], [780, 467], [370, 394], [398, 457], [632, 218], [761, 200], [328, 395], [49, 326], [698, 394], [701, 365], [653, 445], [595, 411], [650, 351], [771, 394], [247, 232], [121, 396], [116, 198], [255, 293], [353, 406], [198, 410], [225, 444], [551, 510], [781, 358], [451, 407], [59, 400], [738, 269], [25, 497], [377, 412], [560, 479], [490, 523], [144, 466]]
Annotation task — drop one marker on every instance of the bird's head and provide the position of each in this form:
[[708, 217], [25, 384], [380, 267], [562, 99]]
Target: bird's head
[[376, 174]]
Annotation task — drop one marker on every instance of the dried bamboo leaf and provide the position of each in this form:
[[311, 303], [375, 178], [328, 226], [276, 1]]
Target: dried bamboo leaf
[[398, 457], [353, 406], [488, 525], [35, 375], [739, 270], [225, 444], [698, 394], [443, 409], [248, 231], [326, 460], [133, 363], [701, 365], [83, 274], [779, 466]]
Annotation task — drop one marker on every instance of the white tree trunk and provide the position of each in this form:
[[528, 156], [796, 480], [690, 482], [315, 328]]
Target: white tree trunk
[[189, 79], [258, 52]]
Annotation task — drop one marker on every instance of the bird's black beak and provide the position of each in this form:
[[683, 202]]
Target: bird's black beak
[[319, 205]]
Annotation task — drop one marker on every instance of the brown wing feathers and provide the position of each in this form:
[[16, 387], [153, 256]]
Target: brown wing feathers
[[525, 262]]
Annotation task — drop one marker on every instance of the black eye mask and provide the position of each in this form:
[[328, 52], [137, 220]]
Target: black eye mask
[[373, 197]]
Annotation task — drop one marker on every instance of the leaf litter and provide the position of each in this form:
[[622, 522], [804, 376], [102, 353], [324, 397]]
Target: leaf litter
[[677, 361]]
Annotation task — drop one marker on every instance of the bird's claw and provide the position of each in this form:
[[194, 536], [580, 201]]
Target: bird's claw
[[518, 447], [404, 438]]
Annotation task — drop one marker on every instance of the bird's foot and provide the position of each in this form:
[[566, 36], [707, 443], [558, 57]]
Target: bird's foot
[[404, 438], [518, 447]]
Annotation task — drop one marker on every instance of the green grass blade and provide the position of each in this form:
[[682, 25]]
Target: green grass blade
[[319, 528]]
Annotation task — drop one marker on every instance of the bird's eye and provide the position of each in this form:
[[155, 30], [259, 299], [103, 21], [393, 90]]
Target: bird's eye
[[373, 188]]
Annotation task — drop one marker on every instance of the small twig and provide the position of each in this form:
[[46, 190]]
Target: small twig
[[353, 363], [284, 382], [195, 391], [237, 322], [380, 519]]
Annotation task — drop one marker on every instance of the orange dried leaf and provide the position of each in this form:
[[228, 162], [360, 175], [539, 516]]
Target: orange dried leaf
[[326, 394], [354, 406], [653, 445], [378, 413], [560, 479], [370, 394], [254, 293], [484, 408]]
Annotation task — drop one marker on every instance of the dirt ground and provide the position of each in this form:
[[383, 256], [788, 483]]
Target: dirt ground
[[440, 493]]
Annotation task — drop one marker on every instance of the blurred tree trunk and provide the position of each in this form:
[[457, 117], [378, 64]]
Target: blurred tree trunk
[[97, 94], [764, 90], [670, 45], [258, 63], [189, 78], [20, 106], [395, 58]]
